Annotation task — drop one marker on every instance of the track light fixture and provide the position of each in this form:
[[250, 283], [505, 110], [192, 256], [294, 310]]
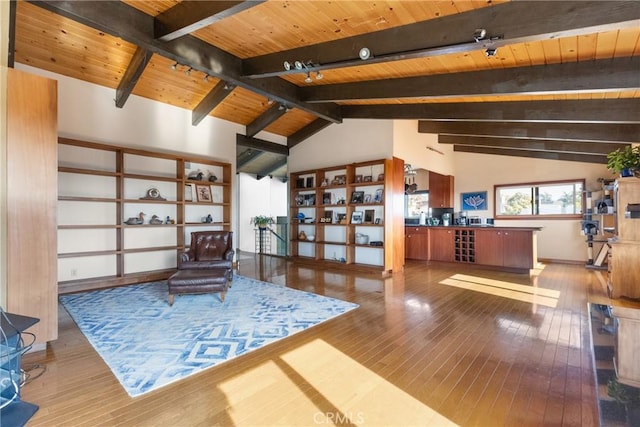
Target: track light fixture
[[205, 78], [188, 71], [491, 52], [364, 53], [305, 67], [308, 79], [174, 66], [479, 34], [319, 75]]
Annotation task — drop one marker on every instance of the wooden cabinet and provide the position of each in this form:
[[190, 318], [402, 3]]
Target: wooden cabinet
[[349, 215], [417, 243], [506, 248], [624, 252], [627, 192], [125, 215], [440, 190], [441, 244], [627, 344], [31, 152]]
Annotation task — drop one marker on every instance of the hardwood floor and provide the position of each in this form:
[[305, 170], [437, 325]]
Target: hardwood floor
[[416, 352]]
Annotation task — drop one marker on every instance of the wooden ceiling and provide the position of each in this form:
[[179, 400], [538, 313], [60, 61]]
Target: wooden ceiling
[[560, 65]]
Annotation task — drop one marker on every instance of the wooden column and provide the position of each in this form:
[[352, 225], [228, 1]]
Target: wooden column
[[32, 188]]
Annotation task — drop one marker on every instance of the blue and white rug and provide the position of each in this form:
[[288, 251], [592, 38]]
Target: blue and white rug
[[148, 344]]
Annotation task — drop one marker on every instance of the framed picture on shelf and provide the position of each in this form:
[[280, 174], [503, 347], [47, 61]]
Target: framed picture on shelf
[[367, 198], [377, 198], [188, 193], [326, 198], [356, 217], [358, 178], [203, 193], [339, 180], [309, 199], [369, 214], [341, 218], [299, 200], [367, 178], [325, 182], [309, 182], [300, 183], [357, 197], [328, 217], [381, 177]]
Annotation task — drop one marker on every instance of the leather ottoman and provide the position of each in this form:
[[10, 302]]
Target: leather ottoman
[[198, 282]]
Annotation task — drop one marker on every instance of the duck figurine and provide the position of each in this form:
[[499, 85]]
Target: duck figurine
[[155, 219], [136, 220]]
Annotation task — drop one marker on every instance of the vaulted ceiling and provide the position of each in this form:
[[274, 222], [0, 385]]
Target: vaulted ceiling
[[547, 79]]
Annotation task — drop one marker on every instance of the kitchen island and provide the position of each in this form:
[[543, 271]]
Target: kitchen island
[[506, 248]]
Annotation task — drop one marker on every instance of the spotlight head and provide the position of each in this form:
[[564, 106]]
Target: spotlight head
[[479, 34], [308, 78], [287, 65], [364, 53], [174, 66], [319, 75], [491, 52], [188, 72], [298, 65], [205, 78]]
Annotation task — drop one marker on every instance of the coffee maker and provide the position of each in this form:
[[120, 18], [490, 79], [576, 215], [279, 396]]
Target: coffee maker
[[446, 219]]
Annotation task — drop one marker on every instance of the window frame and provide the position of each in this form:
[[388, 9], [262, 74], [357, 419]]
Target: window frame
[[536, 201]]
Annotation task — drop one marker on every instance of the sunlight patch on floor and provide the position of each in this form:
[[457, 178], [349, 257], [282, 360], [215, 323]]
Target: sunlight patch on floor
[[524, 293], [355, 392], [318, 385]]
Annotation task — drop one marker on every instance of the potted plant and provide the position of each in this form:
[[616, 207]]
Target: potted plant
[[262, 221], [624, 160], [629, 397]]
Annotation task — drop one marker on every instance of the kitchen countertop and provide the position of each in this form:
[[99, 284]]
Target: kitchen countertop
[[497, 227]]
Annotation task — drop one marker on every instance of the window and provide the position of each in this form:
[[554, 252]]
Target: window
[[559, 199], [416, 202]]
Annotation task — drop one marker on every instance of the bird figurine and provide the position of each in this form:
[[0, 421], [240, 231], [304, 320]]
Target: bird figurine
[[136, 220], [155, 219]]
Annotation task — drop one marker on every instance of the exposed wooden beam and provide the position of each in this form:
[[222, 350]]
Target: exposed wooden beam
[[130, 24], [11, 48], [133, 72], [512, 22], [265, 119], [272, 167], [555, 131], [601, 76], [219, 92], [247, 157], [573, 111], [309, 130], [584, 147], [549, 155], [260, 144], [189, 16]]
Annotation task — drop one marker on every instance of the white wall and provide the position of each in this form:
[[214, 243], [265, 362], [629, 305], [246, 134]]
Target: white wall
[[411, 146], [559, 239], [267, 196], [341, 144]]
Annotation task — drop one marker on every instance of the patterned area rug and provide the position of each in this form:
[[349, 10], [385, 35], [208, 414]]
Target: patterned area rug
[[148, 344]]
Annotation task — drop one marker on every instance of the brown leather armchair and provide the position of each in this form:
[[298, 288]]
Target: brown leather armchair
[[209, 250]]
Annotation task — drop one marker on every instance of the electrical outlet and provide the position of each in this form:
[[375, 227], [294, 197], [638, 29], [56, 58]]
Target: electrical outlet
[[74, 272]]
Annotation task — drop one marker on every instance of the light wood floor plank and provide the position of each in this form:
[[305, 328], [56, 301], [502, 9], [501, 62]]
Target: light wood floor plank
[[414, 353]]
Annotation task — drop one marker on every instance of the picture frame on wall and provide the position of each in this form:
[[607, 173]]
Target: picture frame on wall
[[203, 193], [356, 217], [475, 201], [357, 197], [377, 198], [341, 218], [188, 193], [369, 215], [309, 183], [326, 198]]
